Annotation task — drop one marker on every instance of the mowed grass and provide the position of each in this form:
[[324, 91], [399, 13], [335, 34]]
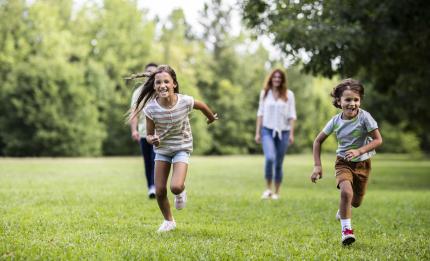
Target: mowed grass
[[98, 209]]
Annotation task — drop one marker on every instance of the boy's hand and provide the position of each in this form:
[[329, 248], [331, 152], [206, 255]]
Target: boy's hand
[[214, 118], [317, 174], [350, 154], [135, 136]]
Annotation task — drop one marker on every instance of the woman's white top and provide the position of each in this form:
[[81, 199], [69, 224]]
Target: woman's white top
[[277, 113]]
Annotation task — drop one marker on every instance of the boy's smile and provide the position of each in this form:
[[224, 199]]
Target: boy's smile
[[350, 103]]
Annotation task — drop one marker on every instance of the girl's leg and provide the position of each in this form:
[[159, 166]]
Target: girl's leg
[[162, 169], [281, 146], [177, 183], [346, 194], [269, 154]]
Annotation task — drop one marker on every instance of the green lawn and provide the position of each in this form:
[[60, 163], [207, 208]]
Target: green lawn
[[98, 209]]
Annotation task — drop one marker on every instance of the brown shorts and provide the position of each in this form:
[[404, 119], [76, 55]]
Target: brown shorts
[[355, 172]]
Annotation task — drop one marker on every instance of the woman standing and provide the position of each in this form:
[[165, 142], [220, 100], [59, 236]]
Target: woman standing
[[275, 128]]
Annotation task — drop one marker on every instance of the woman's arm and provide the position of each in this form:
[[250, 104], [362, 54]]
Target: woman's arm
[[211, 117], [291, 122], [258, 129]]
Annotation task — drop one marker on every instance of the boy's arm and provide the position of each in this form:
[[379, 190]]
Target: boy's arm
[[376, 142], [317, 172], [151, 137], [211, 117], [133, 127]]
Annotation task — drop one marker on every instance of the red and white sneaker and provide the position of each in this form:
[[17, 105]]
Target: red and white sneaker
[[348, 236]]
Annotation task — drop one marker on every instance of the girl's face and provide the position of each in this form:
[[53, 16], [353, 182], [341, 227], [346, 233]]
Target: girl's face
[[164, 85], [350, 103], [276, 79]]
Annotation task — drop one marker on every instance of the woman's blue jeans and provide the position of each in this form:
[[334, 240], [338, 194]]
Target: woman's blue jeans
[[274, 149], [148, 159]]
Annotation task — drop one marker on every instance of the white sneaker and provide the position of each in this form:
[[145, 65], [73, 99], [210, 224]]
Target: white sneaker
[[338, 215], [151, 192], [267, 194], [180, 200], [275, 196], [167, 226]]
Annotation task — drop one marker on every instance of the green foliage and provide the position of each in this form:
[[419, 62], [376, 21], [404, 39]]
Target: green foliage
[[384, 43], [70, 209], [396, 139], [62, 69]]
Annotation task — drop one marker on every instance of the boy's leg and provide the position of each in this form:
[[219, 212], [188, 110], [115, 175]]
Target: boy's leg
[[148, 159], [162, 169], [361, 176], [346, 195]]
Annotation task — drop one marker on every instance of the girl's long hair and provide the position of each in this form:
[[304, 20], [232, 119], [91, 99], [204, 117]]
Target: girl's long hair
[[148, 92], [282, 88]]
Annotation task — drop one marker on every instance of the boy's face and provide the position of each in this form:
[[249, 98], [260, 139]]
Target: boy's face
[[350, 103], [164, 85], [150, 69]]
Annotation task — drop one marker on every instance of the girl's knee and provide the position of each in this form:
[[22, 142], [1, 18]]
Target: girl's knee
[[177, 189]]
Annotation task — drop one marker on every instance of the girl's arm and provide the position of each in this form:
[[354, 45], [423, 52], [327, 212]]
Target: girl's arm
[[317, 172], [258, 129], [376, 142], [151, 137], [211, 117]]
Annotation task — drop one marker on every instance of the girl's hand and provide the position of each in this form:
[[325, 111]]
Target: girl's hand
[[214, 118], [257, 138], [316, 174], [153, 139], [351, 154]]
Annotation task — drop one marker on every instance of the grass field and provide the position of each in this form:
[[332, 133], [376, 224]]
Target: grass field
[[98, 209]]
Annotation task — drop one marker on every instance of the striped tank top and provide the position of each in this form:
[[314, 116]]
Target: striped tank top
[[172, 125]]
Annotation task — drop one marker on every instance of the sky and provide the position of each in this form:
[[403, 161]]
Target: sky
[[162, 8]]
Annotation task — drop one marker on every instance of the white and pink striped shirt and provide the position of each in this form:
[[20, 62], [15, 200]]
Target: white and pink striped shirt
[[172, 125]]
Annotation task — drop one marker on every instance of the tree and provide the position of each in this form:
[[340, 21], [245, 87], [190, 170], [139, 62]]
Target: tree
[[384, 43]]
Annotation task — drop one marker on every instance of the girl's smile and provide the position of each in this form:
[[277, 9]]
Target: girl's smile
[[350, 103], [164, 85]]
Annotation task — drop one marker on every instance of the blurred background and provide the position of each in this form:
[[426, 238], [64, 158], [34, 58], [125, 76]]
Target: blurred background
[[63, 63]]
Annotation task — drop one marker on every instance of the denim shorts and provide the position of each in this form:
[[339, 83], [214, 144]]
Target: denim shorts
[[180, 156]]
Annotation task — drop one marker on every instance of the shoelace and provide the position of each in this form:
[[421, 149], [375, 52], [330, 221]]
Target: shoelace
[[347, 231]]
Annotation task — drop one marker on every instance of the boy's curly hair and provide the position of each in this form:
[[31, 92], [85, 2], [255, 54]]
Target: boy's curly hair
[[346, 84]]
